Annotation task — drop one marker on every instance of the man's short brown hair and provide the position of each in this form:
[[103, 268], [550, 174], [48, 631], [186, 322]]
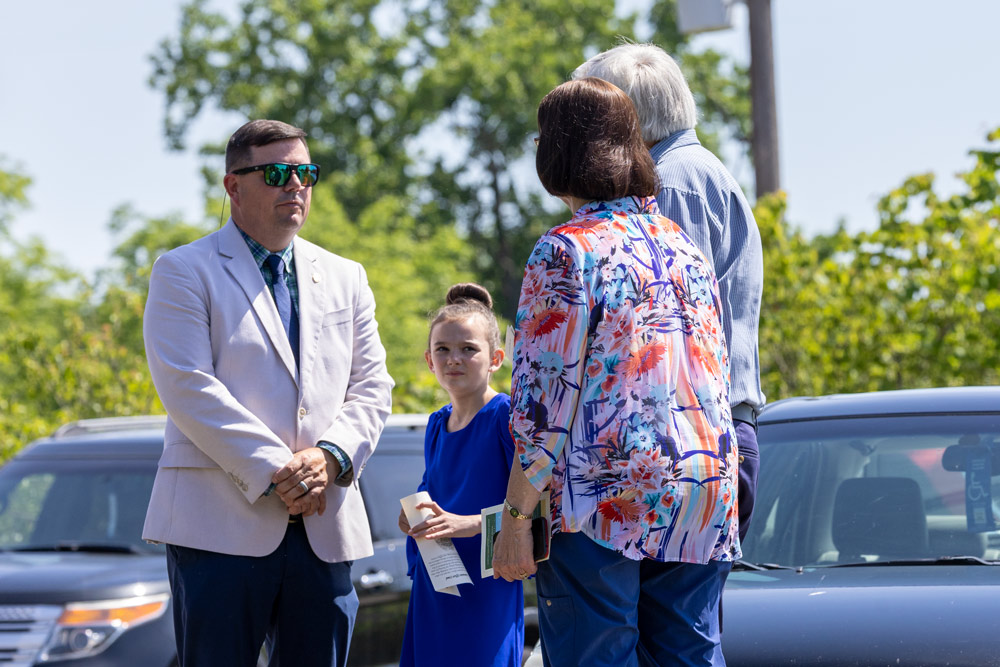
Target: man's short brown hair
[[590, 145], [258, 133]]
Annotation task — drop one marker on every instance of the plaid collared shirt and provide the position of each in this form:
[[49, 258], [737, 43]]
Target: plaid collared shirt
[[260, 253]]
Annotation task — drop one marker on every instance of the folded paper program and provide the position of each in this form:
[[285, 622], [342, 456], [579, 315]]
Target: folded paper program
[[444, 565]]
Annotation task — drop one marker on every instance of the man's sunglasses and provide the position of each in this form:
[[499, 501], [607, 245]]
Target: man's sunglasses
[[278, 173]]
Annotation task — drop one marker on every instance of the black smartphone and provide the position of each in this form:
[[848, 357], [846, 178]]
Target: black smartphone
[[539, 538]]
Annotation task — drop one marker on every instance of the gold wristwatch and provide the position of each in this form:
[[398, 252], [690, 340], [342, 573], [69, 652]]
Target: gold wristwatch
[[514, 512]]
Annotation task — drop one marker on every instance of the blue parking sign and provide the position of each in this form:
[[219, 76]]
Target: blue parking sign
[[978, 495]]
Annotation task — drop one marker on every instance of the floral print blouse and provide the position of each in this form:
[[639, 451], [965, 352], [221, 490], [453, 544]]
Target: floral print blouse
[[620, 394]]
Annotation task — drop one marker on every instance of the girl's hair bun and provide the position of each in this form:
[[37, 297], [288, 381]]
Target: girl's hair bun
[[469, 292], [467, 300]]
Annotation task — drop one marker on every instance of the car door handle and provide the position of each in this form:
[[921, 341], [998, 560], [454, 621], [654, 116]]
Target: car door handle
[[375, 579]]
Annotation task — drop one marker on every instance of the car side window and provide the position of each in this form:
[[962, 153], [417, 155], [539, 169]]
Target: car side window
[[793, 505], [20, 507], [877, 489], [393, 472], [95, 506]]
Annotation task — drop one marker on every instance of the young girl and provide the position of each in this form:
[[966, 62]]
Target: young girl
[[467, 452]]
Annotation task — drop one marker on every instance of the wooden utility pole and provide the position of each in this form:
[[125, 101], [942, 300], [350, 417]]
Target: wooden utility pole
[[764, 142]]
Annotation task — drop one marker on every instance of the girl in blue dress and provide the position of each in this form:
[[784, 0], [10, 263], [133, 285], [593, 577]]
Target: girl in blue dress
[[467, 452]]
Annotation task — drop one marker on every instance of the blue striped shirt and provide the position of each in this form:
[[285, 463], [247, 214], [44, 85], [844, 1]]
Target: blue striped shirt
[[702, 197]]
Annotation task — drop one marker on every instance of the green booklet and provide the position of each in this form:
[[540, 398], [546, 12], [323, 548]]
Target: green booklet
[[491, 517]]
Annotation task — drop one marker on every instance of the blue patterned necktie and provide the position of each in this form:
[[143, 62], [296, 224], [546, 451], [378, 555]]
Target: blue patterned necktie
[[283, 300]]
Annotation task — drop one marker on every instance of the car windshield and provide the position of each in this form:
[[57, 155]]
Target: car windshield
[[877, 489], [70, 505]]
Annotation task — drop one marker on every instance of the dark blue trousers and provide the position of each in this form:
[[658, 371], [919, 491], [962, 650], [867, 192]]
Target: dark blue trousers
[[600, 609], [224, 606], [746, 443]]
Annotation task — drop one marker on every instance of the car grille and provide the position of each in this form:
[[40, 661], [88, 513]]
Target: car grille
[[24, 629]]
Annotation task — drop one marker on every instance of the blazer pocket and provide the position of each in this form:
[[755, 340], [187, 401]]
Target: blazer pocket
[[184, 454], [340, 317]]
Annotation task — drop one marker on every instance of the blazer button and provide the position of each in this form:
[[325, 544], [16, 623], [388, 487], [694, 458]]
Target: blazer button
[[302, 413], [741, 459]]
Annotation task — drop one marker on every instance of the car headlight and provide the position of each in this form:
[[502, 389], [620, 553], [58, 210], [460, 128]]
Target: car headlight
[[87, 628]]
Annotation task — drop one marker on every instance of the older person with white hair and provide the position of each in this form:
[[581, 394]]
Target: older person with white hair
[[698, 193]]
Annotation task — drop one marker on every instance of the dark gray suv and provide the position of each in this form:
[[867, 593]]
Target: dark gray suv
[[76, 580], [77, 583]]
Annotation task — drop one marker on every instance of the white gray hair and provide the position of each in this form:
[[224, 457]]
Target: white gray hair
[[654, 83]]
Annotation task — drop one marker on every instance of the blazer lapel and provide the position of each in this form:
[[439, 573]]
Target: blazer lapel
[[312, 294], [239, 262]]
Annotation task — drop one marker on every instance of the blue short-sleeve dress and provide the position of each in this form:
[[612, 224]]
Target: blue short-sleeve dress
[[465, 471]]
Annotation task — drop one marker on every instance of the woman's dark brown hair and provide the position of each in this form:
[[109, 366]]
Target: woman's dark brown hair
[[466, 300], [590, 143]]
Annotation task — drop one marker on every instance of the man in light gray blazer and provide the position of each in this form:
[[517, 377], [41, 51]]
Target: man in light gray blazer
[[265, 353]]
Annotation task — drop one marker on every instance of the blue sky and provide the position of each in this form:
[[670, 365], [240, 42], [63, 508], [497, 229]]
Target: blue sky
[[869, 92]]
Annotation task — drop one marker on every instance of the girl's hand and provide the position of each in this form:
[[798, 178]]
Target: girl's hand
[[445, 524], [512, 552], [404, 525]]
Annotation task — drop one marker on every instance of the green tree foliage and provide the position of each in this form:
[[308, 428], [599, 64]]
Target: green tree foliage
[[322, 66], [422, 115], [66, 351], [125, 284], [78, 370], [914, 303], [489, 65], [13, 193], [430, 101], [409, 267]]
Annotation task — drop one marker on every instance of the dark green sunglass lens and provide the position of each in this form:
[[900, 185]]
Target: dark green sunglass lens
[[276, 174], [308, 174]]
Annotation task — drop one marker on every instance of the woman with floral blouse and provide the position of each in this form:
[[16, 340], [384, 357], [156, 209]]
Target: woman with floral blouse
[[619, 407]]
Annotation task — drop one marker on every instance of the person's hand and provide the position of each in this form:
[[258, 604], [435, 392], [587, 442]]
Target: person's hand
[[445, 524], [512, 551], [404, 524], [307, 470]]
